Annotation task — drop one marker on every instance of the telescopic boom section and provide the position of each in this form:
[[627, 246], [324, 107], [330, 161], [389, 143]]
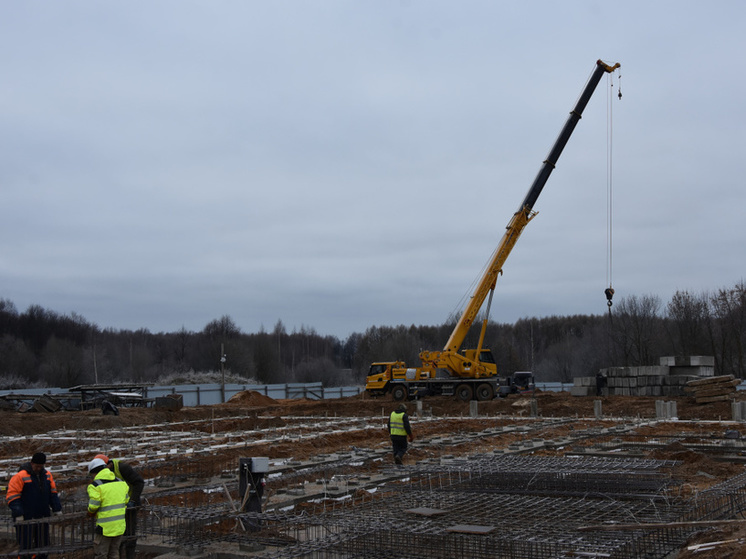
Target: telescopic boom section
[[521, 218]]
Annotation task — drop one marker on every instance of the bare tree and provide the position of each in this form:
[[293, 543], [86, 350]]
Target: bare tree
[[688, 323], [62, 363], [729, 330], [636, 329]]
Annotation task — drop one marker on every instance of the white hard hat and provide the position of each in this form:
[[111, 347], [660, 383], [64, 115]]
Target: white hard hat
[[95, 463]]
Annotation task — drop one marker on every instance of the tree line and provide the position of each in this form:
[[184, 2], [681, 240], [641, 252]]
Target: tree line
[[39, 347]]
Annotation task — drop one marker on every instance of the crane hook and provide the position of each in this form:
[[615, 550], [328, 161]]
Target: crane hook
[[609, 295]]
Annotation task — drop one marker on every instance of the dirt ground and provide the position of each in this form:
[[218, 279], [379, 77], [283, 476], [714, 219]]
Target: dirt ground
[[251, 408], [550, 404]]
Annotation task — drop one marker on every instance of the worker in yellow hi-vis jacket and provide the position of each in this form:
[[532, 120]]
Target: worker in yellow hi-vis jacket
[[107, 501], [400, 431]]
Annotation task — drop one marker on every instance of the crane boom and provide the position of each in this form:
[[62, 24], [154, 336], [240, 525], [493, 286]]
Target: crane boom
[[524, 214], [468, 373]]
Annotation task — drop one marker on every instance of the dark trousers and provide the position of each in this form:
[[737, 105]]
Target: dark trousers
[[129, 540], [399, 444], [31, 537]]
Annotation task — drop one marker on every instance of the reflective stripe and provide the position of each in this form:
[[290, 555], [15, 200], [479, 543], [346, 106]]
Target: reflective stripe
[[94, 503], [112, 507], [110, 519]]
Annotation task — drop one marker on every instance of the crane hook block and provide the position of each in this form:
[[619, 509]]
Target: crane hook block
[[609, 292]]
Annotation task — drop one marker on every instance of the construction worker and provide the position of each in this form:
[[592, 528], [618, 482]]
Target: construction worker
[[32, 493], [107, 502], [400, 430], [135, 482]]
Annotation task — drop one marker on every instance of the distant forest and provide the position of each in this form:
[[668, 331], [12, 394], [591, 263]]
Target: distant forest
[[39, 347]]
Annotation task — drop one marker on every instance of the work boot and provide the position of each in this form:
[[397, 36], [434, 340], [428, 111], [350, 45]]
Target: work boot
[[397, 459]]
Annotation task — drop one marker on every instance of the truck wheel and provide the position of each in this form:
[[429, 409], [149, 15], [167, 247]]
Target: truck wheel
[[464, 392], [399, 393], [485, 392]]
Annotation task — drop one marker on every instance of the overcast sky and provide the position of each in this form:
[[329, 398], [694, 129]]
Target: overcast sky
[[339, 165]]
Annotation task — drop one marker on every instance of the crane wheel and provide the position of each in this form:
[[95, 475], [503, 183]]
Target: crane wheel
[[485, 392], [464, 392], [399, 393]]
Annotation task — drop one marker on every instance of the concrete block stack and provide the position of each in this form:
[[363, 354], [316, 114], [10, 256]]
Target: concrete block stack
[[670, 378]]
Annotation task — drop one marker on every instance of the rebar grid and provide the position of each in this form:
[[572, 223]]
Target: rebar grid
[[722, 501], [628, 477], [199, 526], [70, 535], [431, 517]]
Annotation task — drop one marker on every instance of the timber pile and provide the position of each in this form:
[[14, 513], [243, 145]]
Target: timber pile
[[712, 389]]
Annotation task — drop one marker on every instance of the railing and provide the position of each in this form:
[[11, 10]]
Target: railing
[[209, 394], [201, 394]]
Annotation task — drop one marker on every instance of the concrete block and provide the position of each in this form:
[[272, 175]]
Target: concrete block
[[598, 409], [739, 411], [665, 409], [473, 408], [688, 361], [702, 360]]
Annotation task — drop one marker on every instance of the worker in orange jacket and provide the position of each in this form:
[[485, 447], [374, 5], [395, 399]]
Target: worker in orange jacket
[[31, 494]]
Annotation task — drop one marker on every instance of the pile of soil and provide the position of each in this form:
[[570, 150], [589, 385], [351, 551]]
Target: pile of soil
[[251, 398]]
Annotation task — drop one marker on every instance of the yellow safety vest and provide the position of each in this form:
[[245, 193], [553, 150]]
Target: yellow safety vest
[[117, 473], [396, 424], [107, 499]]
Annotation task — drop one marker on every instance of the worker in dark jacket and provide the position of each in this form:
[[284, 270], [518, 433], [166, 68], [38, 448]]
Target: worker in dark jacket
[[31, 494], [124, 471], [400, 430]]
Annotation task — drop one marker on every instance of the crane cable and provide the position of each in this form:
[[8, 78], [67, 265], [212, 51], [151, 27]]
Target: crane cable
[[609, 291]]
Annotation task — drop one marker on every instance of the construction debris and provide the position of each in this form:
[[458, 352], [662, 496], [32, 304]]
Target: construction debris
[[47, 404], [712, 389]]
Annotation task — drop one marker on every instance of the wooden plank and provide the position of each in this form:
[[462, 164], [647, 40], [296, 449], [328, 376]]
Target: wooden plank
[[711, 399], [710, 380], [725, 390], [724, 384]]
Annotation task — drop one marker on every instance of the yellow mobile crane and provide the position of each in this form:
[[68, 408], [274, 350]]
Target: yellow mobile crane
[[471, 373]]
